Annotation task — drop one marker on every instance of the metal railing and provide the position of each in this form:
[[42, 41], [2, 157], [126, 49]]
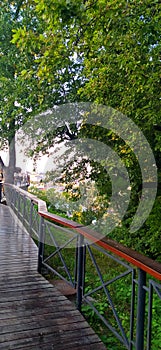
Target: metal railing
[[102, 271]]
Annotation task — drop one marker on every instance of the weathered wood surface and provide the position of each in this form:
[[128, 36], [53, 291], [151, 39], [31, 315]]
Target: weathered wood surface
[[33, 313]]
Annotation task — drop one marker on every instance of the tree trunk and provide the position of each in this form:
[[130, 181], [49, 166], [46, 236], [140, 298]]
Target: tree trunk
[[11, 168]]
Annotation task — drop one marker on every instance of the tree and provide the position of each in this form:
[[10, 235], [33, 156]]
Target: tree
[[110, 48], [24, 94], [118, 44], [110, 51], [13, 109]]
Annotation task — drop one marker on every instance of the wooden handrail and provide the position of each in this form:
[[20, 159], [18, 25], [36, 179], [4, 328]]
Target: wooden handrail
[[138, 260]]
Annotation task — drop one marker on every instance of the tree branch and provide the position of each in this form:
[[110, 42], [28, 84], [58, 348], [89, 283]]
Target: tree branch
[[18, 9]]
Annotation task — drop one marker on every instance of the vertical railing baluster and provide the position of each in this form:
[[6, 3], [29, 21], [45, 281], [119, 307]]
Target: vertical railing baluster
[[31, 217], [81, 271], [76, 263], [13, 201], [18, 207], [140, 310], [9, 196], [24, 209], [41, 244], [133, 296], [150, 316]]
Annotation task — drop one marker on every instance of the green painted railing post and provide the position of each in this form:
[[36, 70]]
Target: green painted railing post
[[140, 310], [81, 271], [41, 244]]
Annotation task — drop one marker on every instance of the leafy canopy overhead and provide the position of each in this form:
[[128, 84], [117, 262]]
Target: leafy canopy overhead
[[111, 48], [101, 51], [25, 86]]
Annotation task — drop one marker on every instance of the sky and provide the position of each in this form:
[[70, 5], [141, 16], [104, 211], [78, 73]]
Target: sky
[[27, 164], [45, 163]]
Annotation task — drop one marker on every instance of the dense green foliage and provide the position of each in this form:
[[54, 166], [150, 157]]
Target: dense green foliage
[[116, 43], [18, 100], [101, 51]]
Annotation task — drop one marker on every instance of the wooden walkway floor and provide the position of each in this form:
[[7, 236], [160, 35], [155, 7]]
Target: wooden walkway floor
[[33, 313]]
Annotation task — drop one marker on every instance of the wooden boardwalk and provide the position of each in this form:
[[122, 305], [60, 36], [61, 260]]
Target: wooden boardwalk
[[33, 313]]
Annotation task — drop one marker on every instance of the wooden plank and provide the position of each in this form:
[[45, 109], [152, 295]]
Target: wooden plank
[[49, 316], [84, 336], [52, 346], [8, 317]]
